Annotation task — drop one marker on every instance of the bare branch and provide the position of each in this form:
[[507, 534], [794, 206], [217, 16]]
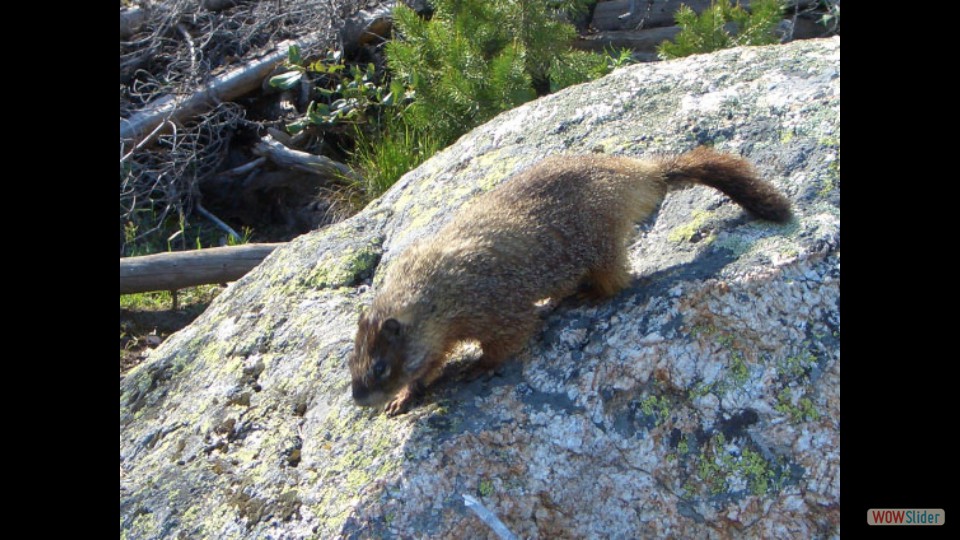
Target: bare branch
[[302, 161], [218, 222], [181, 269], [223, 88], [131, 20], [245, 168], [489, 518]]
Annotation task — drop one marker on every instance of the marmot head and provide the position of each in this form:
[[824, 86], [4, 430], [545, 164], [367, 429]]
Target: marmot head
[[377, 363]]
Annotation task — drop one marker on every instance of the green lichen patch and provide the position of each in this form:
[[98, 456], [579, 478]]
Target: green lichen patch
[[344, 269], [683, 446], [729, 469], [737, 244], [356, 449], [372, 454], [495, 168], [485, 487], [422, 217], [692, 230], [796, 366], [831, 180], [655, 407], [698, 330], [798, 408], [737, 372]]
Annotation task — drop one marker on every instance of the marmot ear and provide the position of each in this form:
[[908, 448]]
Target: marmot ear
[[391, 328]]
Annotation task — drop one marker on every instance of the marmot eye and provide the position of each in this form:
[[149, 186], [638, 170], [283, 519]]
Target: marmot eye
[[379, 368]]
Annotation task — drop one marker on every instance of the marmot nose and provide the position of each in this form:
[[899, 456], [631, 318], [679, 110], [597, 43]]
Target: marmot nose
[[360, 393]]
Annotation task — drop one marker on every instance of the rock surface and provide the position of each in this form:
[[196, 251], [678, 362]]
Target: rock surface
[[702, 402]]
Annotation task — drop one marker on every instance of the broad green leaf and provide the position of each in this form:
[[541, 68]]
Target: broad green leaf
[[287, 80], [296, 127], [293, 55]]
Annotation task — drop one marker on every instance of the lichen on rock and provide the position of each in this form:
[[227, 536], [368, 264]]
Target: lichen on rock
[[704, 401]]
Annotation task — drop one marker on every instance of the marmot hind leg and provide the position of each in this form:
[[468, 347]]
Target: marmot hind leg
[[605, 281], [509, 338]]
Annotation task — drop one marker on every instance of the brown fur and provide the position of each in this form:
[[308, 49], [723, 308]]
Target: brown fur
[[554, 228]]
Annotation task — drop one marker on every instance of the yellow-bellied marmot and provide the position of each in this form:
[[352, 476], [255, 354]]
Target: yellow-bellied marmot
[[554, 228]]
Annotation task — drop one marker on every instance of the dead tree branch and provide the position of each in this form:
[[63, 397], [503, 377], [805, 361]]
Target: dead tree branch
[[181, 269], [131, 20], [288, 158], [223, 88]]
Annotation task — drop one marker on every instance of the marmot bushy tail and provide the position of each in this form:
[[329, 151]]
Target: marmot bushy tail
[[732, 175], [556, 228]]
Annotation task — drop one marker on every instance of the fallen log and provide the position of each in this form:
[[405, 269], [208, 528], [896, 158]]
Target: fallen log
[[631, 14], [178, 270], [645, 41], [368, 26], [287, 158], [218, 5], [131, 20], [226, 87], [808, 27]]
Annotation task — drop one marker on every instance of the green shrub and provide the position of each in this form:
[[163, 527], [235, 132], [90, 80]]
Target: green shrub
[[470, 61], [474, 59], [576, 67], [707, 32]]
